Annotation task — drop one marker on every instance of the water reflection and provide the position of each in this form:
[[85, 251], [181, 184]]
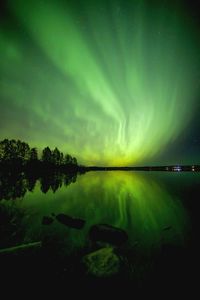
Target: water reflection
[[137, 203], [150, 207], [16, 185]]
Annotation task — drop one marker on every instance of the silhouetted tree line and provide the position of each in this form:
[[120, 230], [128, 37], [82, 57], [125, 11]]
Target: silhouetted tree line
[[18, 154]]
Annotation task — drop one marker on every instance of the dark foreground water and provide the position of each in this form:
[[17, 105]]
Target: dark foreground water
[[158, 210]]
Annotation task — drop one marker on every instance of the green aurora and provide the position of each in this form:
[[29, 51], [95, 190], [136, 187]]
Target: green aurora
[[111, 82]]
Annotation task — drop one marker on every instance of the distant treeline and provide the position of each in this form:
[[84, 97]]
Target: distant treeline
[[15, 153]]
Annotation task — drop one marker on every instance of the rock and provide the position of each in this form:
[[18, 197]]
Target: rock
[[107, 233], [69, 221], [102, 263], [167, 228], [47, 220]]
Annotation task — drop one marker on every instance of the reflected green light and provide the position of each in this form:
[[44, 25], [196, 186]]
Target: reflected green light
[[137, 204], [112, 84]]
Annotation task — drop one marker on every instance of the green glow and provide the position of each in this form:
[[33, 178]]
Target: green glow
[[112, 84], [136, 203]]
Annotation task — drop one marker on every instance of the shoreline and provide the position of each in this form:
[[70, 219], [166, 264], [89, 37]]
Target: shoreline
[[188, 168]]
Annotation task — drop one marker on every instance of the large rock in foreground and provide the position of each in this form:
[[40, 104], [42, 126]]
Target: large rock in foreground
[[108, 233], [103, 263]]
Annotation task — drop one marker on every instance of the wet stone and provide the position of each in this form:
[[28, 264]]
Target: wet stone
[[102, 263], [47, 220], [108, 233], [70, 221]]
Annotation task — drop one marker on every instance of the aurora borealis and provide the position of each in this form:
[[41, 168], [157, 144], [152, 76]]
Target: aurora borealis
[[111, 82]]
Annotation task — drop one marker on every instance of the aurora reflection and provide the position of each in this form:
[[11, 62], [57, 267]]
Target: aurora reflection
[[134, 202]]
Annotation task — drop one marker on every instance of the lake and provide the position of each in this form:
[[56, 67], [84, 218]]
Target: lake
[[158, 211]]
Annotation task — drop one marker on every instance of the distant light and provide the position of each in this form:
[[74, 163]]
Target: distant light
[[177, 169]]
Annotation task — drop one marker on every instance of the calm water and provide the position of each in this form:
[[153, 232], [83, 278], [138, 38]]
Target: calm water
[[154, 208]]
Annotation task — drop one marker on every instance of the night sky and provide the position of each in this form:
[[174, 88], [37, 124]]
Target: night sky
[[111, 82]]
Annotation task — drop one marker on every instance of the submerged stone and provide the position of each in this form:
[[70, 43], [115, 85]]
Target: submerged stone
[[167, 228], [102, 263], [108, 233], [47, 220], [70, 221]]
